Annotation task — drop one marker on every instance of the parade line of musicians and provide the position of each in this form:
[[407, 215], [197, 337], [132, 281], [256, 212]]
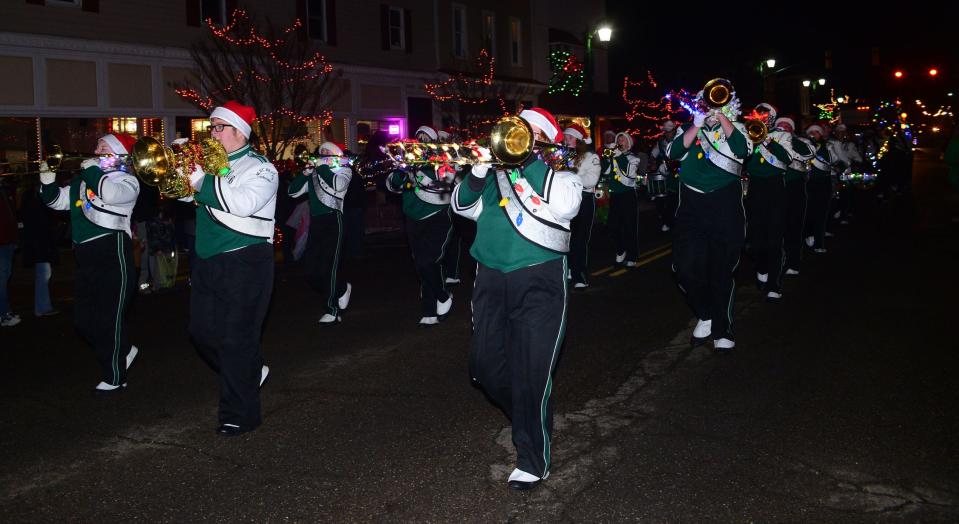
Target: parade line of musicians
[[533, 224]]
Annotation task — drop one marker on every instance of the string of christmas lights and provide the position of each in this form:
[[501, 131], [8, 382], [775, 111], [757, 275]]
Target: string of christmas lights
[[568, 75], [646, 114]]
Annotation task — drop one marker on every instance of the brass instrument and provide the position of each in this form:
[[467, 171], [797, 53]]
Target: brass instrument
[[756, 130], [304, 157], [717, 93], [169, 167], [54, 161]]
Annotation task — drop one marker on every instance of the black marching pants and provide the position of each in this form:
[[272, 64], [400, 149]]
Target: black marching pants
[[666, 208], [321, 259], [581, 229], [229, 295], [767, 223], [795, 217], [622, 222], [464, 232], [707, 243], [820, 196], [429, 239], [519, 320], [105, 284]]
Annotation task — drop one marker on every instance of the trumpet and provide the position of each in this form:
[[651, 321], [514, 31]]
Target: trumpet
[[304, 158], [168, 168], [717, 93], [54, 162]]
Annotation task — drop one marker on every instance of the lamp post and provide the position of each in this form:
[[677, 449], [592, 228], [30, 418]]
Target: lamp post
[[605, 33], [765, 70]]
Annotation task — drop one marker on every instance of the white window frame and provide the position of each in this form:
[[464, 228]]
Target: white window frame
[[309, 21], [459, 13], [389, 27], [492, 28], [223, 13], [517, 42]]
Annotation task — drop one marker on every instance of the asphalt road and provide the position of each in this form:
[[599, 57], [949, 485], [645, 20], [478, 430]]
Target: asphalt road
[[838, 404]]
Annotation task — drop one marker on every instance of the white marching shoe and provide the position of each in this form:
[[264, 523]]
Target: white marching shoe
[[329, 319], [810, 241], [344, 301], [442, 308], [132, 355], [762, 277], [665, 228], [429, 321], [773, 296], [724, 345], [580, 285], [620, 257], [792, 272], [451, 280], [703, 329], [264, 372]]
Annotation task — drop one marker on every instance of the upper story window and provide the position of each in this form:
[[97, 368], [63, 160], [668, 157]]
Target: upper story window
[[213, 9], [316, 19], [397, 28], [489, 32], [459, 31], [66, 3], [515, 42]]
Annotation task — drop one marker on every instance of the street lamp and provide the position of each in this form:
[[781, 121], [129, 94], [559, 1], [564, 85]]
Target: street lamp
[[605, 33], [822, 81], [771, 63], [806, 83]]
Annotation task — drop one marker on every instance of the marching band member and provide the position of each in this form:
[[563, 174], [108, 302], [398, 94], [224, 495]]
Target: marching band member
[[621, 173], [767, 204], [802, 150], [710, 220], [609, 140], [849, 152], [233, 278], [820, 187], [666, 206], [519, 297], [100, 202], [426, 199], [327, 181], [587, 166]]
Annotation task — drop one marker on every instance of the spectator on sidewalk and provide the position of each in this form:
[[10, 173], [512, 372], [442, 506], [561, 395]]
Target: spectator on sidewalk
[[39, 246], [8, 244]]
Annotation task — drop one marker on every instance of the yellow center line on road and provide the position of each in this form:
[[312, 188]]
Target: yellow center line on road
[[643, 262], [619, 272], [601, 271]]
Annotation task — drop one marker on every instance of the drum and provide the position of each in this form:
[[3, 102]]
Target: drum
[[656, 185]]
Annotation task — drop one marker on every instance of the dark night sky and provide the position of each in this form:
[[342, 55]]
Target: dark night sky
[[680, 51]]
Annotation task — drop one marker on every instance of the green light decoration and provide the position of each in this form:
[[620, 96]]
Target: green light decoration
[[568, 75]]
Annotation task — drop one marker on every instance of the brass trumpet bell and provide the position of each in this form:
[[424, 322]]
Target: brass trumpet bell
[[169, 170], [757, 130], [717, 92], [511, 140]]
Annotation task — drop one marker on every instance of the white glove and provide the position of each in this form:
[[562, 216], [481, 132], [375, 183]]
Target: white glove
[[699, 119], [484, 154], [46, 176], [179, 141], [480, 170], [196, 178], [90, 162]]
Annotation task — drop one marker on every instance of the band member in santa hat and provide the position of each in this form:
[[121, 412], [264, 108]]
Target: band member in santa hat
[[326, 178], [622, 173], [665, 205], [766, 203], [586, 165], [100, 201], [710, 220], [519, 296], [820, 187], [426, 204], [801, 152], [233, 278]]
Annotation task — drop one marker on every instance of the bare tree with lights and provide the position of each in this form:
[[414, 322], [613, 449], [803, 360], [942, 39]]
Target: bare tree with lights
[[277, 71]]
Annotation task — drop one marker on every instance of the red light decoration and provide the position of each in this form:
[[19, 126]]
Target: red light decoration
[[897, 74], [933, 72]]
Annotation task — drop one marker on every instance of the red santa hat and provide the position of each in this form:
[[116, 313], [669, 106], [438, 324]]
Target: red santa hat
[[428, 131], [237, 115], [542, 119], [816, 128], [578, 132], [332, 147], [768, 109], [120, 143], [786, 121]]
